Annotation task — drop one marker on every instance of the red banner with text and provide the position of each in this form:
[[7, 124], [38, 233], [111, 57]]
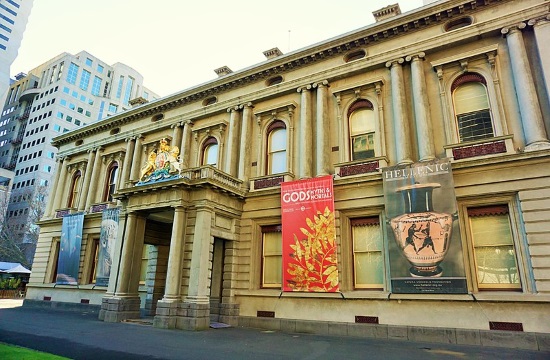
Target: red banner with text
[[309, 241]]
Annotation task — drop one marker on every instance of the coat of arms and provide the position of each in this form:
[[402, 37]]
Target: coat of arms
[[163, 163]]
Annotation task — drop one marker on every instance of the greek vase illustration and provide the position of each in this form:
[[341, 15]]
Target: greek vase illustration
[[422, 234]]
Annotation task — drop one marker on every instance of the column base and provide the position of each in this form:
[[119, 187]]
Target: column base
[[539, 145], [229, 314], [166, 314], [193, 315], [117, 309]]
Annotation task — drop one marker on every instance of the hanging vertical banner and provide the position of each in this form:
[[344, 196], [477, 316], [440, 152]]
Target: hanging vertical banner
[[108, 235], [309, 241], [69, 250], [424, 247]]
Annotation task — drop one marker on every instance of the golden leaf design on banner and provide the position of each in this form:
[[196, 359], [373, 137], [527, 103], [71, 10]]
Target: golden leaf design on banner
[[315, 267]]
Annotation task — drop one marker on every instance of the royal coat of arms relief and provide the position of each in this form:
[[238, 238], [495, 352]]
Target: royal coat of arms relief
[[163, 163]]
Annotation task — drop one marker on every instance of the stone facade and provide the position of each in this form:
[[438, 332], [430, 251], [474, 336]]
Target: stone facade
[[206, 225]]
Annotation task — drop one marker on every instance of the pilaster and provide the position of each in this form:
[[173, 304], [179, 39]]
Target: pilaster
[[232, 148], [96, 170], [136, 158], [323, 165], [244, 159], [54, 189], [126, 167]]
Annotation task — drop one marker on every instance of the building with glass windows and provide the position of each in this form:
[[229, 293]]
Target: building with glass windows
[[63, 94], [431, 127], [14, 15]]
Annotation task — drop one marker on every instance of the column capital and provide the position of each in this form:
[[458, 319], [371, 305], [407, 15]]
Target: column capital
[[513, 28], [321, 83], [233, 109], [397, 61], [415, 57], [543, 20], [303, 88], [248, 105]]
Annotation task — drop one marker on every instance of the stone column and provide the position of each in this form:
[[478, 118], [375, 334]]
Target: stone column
[[136, 160], [185, 149], [128, 157], [167, 307], [61, 186], [322, 130], [305, 134], [246, 139], [529, 107], [176, 134], [400, 122], [54, 193], [541, 28], [424, 135], [232, 149], [197, 302], [96, 171], [125, 302], [87, 177]]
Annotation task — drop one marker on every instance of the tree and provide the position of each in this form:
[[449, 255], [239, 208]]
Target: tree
[[19, 234]]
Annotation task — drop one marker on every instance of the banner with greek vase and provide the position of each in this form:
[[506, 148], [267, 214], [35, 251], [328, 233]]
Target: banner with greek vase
[[309, 258], [107, 239], [68, 262], [425, 249]]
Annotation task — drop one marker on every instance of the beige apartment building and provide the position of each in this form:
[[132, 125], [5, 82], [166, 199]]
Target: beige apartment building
[[196, 177]]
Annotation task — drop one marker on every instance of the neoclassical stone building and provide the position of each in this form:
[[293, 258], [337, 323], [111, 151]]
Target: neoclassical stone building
[[466, 81]]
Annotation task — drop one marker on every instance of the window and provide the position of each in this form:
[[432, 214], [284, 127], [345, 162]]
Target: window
[[72, 73], [368, 253], [75, 189], [493, 248], [119, 88], [96, 86], [129, 88], [113, 108], [112, 175], [100, 68], [144, 264], [472, 111], [210, 152], [362, 130], [85, 80], [88, 62], [272, 257], [276, 148], [95, 256]]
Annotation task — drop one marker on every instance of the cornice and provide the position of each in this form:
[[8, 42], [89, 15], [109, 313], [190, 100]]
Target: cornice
[[379, 32]]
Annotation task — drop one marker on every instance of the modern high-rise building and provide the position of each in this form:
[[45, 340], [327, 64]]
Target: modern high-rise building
[[14, 15], [60, 95]]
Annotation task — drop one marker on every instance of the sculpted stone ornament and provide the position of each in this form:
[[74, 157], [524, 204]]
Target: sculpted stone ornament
[[163, 163]]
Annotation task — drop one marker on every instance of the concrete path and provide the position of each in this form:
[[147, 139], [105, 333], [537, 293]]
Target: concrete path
[[80, 335]]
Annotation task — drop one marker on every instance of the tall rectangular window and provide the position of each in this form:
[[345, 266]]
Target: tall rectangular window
[[96, 86], [72, 73], [85, 80], [60, 72], [272, 257], [52, 75], [368, 253], [119, 88], [494, 250], [129, 88]]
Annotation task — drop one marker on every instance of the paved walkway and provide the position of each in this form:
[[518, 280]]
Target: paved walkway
[[80, 335]]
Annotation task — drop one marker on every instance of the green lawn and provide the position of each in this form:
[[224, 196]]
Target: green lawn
[[11, 352]]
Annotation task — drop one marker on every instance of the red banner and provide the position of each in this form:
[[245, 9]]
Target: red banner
[[309, 241]]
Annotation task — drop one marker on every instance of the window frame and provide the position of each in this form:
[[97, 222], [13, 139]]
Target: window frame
[[207, 145], [361, 105], [368, 221], [264, 229], [75, 189], [518, 239], [110, 183], [460, 81], [272, 128]]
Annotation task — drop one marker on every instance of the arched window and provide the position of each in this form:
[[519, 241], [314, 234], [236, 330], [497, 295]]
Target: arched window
[[472, 108], [110, 184], [210, 152], [362, 130], [75, 190], [276, 148]]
